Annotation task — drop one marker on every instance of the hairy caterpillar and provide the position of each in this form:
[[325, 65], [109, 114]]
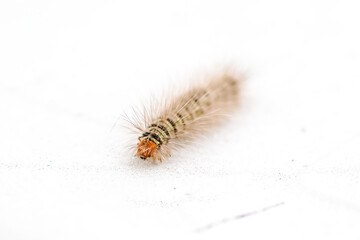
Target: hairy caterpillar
[[180, 120]]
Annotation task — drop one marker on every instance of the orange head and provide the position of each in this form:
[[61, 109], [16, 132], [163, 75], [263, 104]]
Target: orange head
[[146, 149]]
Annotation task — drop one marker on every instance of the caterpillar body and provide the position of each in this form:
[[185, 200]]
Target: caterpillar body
[[181, 120]]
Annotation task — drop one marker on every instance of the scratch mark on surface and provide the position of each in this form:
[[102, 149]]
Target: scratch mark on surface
[[240, 216]]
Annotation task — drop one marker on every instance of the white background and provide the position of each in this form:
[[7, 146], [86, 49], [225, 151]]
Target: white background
[[69, 68]]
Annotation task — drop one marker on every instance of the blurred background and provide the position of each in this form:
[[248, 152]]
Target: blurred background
[[68, 69]]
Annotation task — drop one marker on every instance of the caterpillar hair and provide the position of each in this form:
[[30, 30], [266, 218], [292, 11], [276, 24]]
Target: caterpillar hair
[[178, 121]]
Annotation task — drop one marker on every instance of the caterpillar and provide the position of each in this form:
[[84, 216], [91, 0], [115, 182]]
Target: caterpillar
[[178, 121]]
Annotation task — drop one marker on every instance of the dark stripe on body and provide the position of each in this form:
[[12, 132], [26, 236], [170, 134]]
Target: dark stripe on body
[[181, 118], [172, 124], [198, 110], [156, 137], [145, 134], [164, 130], [160, 128], [159, 133]]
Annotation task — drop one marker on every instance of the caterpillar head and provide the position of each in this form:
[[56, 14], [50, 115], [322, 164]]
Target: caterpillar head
[[147, 149]]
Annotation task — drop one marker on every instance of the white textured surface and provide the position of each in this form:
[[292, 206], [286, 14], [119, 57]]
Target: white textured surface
[[68, 68]]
